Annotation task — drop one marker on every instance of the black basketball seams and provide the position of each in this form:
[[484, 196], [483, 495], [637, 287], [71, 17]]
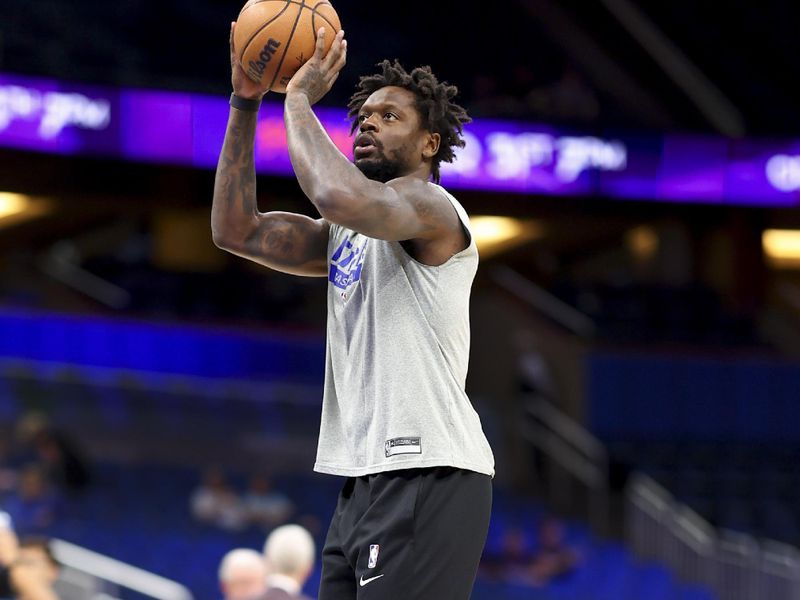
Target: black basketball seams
[[314, 20], [302, 5], [314, 13], [288, 43], [260, 29], [289, 2]]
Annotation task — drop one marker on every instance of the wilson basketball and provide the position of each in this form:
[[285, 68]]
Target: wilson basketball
[[273, 38]]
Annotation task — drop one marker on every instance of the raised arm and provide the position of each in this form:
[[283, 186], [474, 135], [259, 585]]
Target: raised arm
[[286, 242], [407, 208]]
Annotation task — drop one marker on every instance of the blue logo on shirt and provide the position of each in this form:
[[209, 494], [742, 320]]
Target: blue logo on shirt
[[346, 264]]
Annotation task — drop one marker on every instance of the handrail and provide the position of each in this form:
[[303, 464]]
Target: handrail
[[117, 572], [570, 445], [735, 564], [554, 308], [692, 529]]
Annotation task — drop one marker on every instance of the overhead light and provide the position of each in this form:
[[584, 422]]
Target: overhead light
[[642, 242], [15, 208], [494, 234], [12, 204], [782, 247]]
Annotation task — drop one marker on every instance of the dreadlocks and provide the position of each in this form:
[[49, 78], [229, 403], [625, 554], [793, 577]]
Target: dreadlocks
[[434, 102]]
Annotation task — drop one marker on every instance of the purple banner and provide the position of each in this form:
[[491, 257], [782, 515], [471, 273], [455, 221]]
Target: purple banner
[[188, 129]]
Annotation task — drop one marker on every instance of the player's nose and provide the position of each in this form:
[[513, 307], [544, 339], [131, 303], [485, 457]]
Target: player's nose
[[368, 124]]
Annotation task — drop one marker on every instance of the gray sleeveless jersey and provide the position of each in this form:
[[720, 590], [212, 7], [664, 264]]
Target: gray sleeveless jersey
[[396, 360]]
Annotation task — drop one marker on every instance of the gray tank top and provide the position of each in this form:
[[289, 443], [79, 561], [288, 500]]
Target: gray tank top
[[396, 360]]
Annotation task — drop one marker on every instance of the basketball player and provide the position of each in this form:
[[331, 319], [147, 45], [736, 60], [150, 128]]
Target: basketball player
[[412, 517]]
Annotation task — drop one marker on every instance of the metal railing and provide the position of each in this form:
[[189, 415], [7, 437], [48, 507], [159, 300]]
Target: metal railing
[[570, 446], [87, 574], [735, 565], [544, 302], [572, 453]]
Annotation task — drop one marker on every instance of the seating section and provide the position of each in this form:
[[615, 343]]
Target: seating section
[[139, 514], [749, 488], [691, 314]]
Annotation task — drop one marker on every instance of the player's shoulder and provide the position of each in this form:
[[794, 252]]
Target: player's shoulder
[[421, 193]]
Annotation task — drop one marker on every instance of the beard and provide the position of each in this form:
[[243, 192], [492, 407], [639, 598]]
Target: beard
[[380, 167]]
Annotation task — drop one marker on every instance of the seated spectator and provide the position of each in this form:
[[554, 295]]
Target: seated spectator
[[554, 557], [34, 506], [37, 554], [512, 560], [215, 503], [8, 475], [64, 464], [23, 574], [266, 507], [242, 575], [517, 562], [41, 442], [289, 552]]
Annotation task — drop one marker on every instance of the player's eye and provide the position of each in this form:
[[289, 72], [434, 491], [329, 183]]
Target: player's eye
[[390, 116], [362, 118]]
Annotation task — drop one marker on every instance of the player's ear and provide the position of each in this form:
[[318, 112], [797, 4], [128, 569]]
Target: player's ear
[[432, 142]]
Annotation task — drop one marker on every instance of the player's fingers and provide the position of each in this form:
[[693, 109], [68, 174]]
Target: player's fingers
[[233, 50], [341, 61], [319, 51], [335, 51]]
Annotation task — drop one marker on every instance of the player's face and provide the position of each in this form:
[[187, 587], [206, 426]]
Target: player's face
[[390, 140]]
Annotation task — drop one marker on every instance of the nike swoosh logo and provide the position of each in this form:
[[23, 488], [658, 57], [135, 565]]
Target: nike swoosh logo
[[364, 582]]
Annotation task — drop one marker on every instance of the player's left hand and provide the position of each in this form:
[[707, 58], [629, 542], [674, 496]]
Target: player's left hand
[[316, 77]]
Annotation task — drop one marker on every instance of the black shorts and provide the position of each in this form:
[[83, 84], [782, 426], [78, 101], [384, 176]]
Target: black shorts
[[415, 534]]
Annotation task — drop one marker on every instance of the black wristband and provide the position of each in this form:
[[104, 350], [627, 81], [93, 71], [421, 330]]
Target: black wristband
[[244, 104]]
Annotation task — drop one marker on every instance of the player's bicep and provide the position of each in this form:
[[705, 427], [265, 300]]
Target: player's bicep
[[290, 243], [403, 209]]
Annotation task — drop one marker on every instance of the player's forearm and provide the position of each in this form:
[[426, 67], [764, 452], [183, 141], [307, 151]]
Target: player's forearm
[[234, 211], [332, 183]]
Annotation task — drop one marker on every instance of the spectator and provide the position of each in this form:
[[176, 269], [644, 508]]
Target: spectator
[[554, 557], [242, 575], [8, 475], [21, 576], [58, 454], [64, 464], [214, 502], [35, 504], [512, 560], [36, 553], [516, 562], [266, 507], [289, 553]]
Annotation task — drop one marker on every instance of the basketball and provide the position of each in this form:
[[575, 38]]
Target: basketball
[[273, 38]]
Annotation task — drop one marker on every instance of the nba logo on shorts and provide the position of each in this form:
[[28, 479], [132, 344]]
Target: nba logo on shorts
[[373, 556]]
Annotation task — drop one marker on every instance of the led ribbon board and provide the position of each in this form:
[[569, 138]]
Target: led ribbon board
[[187, 129]]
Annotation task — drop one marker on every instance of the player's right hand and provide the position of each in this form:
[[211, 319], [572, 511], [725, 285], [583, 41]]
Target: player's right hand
[[243, 86]]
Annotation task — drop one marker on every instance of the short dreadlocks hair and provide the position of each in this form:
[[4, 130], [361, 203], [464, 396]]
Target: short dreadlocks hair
[[434, 103]]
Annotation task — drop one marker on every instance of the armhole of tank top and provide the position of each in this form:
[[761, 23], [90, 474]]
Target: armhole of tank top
[[464, 226], [332, 233]]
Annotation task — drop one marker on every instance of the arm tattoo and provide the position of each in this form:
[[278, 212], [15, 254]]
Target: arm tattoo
[[234, 204], [275, 239]]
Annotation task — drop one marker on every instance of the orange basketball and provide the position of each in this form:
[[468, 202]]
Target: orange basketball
[[273, 38]]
